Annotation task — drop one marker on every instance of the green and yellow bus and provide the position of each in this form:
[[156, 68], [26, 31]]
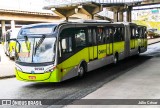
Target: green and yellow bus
[[54, 52]]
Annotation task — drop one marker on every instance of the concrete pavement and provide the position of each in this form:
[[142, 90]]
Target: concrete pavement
[[6, 65], [155, 40]]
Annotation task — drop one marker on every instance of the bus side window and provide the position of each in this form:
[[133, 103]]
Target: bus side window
[[111, 33], [117, 35], [90, 37], [145, 33], [133, 33], [121, 33], [101, 36], [94, 37], [139, 32], [66, 41], [66, 44], [80, 38], [107, 35]]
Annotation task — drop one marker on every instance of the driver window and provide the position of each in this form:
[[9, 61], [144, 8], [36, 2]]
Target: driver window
[[66, 41], [66, 44]]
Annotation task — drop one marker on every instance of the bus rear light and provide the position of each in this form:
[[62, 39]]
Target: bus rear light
[[32, 77]]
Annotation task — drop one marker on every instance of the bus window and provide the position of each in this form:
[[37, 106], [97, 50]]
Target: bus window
[[66, 41], [107, 35], [66, 45], [121, 35], [94, 37], [145, 33], [89, 37], [101, 36], [140, 32], [133, 33], [111, 33], [118, 34], [80, 38]]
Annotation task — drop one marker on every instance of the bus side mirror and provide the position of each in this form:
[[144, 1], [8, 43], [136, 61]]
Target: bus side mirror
[[64, 44]]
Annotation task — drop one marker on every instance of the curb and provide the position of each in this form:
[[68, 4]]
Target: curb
[[154, 43], [6, 77]]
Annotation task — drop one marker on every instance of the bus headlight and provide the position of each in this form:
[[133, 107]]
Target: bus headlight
[[51, 69]]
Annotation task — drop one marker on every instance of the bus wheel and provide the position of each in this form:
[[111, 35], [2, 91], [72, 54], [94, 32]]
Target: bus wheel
[[81, 71], [115, 60]]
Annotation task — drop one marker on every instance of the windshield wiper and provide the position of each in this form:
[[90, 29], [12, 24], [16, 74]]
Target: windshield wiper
[[39, 43]]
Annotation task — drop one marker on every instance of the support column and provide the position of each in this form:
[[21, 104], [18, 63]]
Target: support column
[[12, 24], [129, 14], [115, 16], [121, 17], [3, 29]]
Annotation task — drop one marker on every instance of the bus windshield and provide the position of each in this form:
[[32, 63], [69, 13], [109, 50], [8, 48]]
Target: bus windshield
[[36, 50]]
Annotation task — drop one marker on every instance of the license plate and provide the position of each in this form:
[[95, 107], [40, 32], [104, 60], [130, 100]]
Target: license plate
[[32, 77]]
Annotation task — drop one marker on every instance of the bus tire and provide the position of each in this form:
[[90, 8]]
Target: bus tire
[[115, 59], [81, 71]]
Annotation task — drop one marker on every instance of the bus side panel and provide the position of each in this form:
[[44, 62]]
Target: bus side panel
[[95, 52], [131, 44], [91, 53], [118, 47], [136, 43], [111, 48], [72, 62]]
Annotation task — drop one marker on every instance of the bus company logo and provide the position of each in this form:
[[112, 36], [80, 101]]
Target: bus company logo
[[39, 68], [6, 102], [101, 51]]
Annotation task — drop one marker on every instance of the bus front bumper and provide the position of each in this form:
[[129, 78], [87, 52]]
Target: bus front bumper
[[42, 77]]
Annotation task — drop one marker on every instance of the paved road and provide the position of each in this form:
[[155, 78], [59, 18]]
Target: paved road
[[74, 88]]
